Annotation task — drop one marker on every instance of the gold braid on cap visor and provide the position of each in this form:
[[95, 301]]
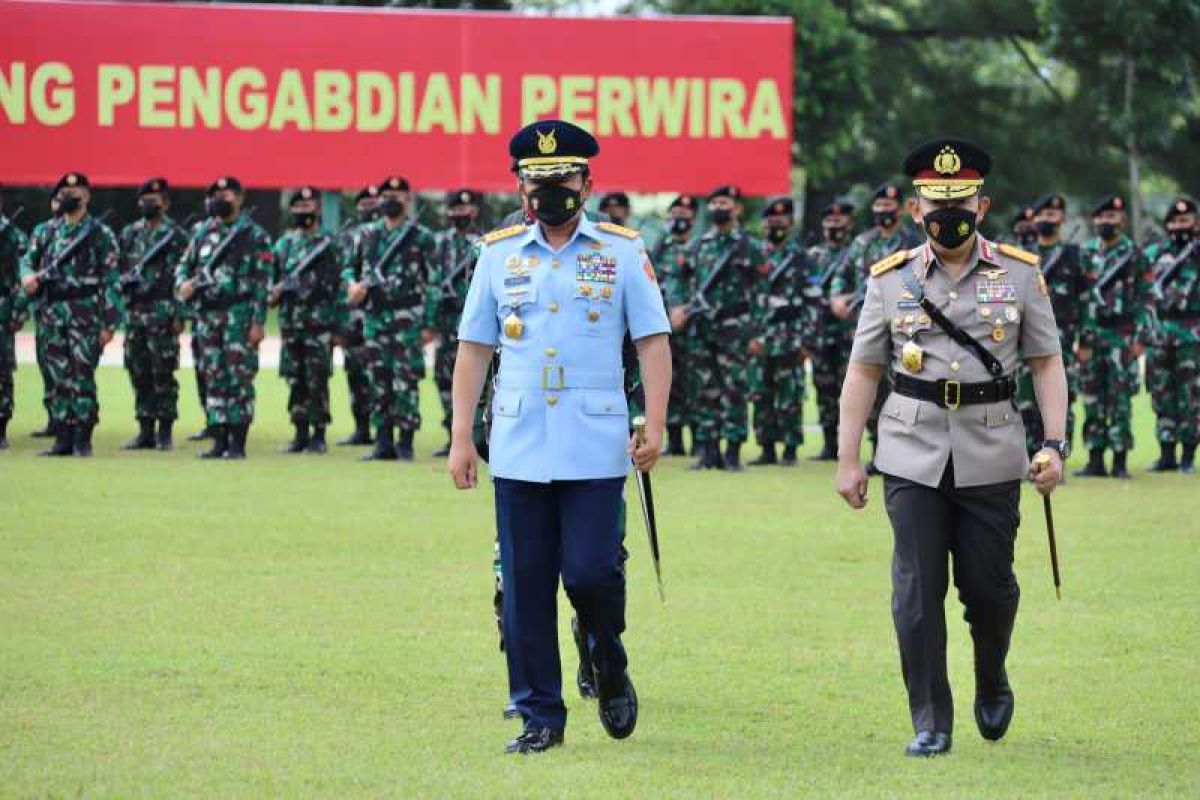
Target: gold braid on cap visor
[[947, 188]]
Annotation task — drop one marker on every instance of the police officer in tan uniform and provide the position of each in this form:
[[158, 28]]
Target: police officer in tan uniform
[[950, 317]]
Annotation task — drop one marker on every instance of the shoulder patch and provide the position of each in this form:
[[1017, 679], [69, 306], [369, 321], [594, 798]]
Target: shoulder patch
[[1020, 255], [503, 233], [619, 230], [891, 262]]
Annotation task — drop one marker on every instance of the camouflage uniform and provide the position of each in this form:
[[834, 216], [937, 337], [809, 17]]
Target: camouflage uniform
[[355, 351], [672, 260], [827, 338], [151, 342], [309, 313], [27, 305], [455, 256], [12, 247], [1109, 378], [225, 311], [73, 307], [781, 319], [1171, 363]]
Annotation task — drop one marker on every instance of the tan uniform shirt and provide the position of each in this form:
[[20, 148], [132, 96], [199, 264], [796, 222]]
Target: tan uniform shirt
[[1001, 300]]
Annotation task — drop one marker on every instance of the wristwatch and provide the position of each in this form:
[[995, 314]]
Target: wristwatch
[[1060, 446]]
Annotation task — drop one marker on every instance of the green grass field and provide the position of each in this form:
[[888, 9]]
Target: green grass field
[[302, 626]]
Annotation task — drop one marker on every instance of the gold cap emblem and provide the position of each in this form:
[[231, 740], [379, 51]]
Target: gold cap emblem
[[947, 161], [547, 142], [72, 179]]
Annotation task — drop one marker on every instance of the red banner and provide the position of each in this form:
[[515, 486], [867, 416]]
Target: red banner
[[281, 96]]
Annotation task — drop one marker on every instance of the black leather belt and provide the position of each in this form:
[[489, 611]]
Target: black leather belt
[[952, 394]]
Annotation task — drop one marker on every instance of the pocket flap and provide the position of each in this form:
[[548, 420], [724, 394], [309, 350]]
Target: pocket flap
[[507, 403], [905, 409], [605, 404], [998, 414]]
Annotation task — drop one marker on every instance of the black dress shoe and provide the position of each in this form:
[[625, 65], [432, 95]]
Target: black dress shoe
[[619, 708], [535, 739], [585, 676], [993, 715], [510, 711], [927, 744]]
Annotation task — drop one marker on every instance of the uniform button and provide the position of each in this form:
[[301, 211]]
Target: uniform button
[[551, 352], [953, 295], [987, 312], [554, 308], [954, 366], [593, 316], [554, 262], [551, 399], [1006, 417]]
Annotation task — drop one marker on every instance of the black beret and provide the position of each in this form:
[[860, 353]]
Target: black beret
[[728, 190], [1182, 205], [72, 179], [394, 183], [303, 194], [683, 201], [1022, 214], [367, 191], [779, 205], [1053, 201], [227, 182], [837, 207], [153, 186], [946, 168], [614, 198], [463, 197], [551, 148], [887, 191], [1113, 202]]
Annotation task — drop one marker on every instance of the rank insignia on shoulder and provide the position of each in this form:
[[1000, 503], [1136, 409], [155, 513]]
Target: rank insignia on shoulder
[[889, 263], [503, 233], [619, 230], [1020, 255]]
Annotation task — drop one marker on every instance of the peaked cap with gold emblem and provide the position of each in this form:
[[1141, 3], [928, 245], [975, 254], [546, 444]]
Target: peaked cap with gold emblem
[[947, 168], [551, 148]]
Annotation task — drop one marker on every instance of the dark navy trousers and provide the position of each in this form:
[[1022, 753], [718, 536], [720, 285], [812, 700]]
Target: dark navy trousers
[[567, 528]]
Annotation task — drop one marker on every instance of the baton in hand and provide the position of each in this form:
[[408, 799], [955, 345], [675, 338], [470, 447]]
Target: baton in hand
[[1042, 458], [646, 496]]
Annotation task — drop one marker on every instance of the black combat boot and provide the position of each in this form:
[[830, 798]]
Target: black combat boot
[[64, 442], [675, 441], [384, 450], [788, 459], [206, 432], [316, 444], [445, 451], [404, 450], [829, 449], [237, 441], [708, 456], [163, 441], [733, 461], [1166, 461], [145, 438], [220, 442], [768, 455], [1119, 469], [46, 432], [82, 445], [1187, 464], [362, 432], [299, 442], [3, 434], [1095, 466]]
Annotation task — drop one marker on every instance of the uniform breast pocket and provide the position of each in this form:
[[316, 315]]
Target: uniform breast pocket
[[514, 309], [594, 315]]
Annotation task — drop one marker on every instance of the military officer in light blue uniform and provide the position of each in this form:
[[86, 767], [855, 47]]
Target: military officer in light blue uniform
[[558, 297]]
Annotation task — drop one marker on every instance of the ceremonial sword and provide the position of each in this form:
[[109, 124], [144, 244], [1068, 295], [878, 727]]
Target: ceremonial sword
[[646, 496]]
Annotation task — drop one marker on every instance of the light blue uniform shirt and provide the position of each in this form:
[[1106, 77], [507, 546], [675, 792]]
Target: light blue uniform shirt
[[559, 410]]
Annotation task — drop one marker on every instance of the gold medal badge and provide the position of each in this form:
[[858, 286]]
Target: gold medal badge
[[998, 334], [514, 328], [912, 357]]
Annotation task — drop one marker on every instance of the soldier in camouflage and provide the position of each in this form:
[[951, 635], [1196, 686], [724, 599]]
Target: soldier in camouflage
[[888, 235], [1024, 232], [1172, 374], [673, 259], [73, 265], [828, 338], [729, 264], [454, 261], [225, 272], [306, 286], [1118, 323], [354, 344], [25, 305], [12, 246], [395, 260], [150, 249], [782, 317], [1062, 269]]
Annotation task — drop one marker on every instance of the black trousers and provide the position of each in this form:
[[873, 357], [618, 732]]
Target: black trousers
[[978, 526]]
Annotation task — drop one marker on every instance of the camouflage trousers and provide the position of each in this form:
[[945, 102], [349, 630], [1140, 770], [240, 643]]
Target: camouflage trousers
[[1035, 432], [1107, 383], [8, 364], [358, 381], [198, 366], [719, 376], [829, 364], [39, 341], [395, 366], [72, 353], [1173, 381], [229, 365], [780, 401], [443, 374], [679, 412], [151, 357], [306, 362]]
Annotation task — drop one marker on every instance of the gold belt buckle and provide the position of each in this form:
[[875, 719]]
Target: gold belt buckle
[[951, 394], [548, 375]]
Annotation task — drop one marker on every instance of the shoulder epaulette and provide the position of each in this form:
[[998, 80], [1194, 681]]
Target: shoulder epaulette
[[619, 230], [1020, 255], [503, 233], [891, 262]]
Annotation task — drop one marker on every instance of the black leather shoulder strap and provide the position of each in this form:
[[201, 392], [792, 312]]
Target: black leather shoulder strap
[[993, 365]]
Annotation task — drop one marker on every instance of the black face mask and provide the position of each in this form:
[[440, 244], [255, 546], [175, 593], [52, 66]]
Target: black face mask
[[1027, 239], [616, 218], [461, 222], [70, 203], [680, 225], [1181, 236], [303, 219], [555, 204], [885, 219], [367, 214], [218, 207], [777, 233], [1046, 228], [391, 207], [1107, 231], [950, 227], [720, 216], [150, 209], [835, 235]]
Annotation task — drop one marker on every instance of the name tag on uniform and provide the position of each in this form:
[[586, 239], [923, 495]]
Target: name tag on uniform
[[517, 280], [995, 292], [595, 268]]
